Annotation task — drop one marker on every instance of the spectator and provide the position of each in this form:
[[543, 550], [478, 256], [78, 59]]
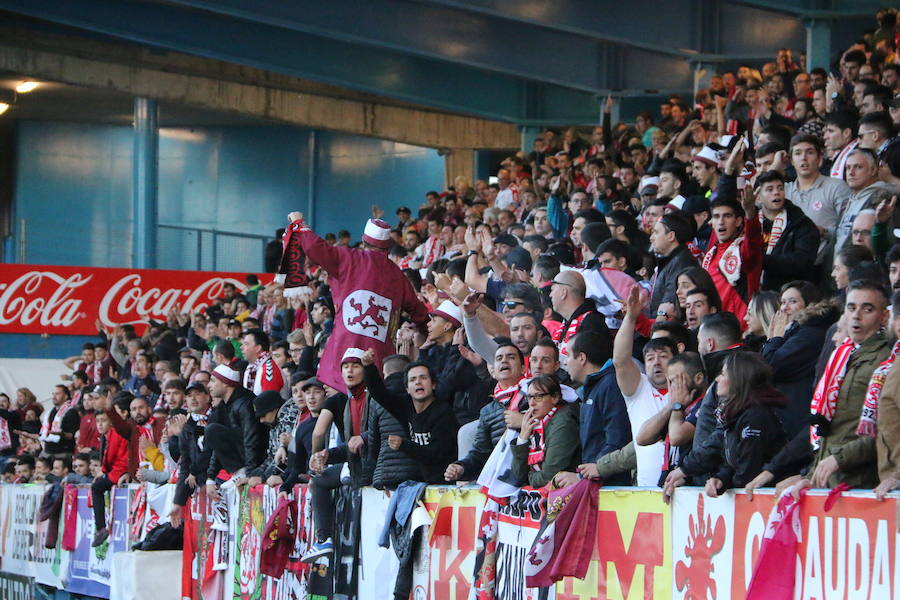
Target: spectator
[[350, 451], [838, 454], [644, 394], [733, 259], [700, 302], [194, 455], [791, 238], [568, 295], [548, 440], [59, 431], [866, 190], [262, 373], [430, 422], [821, 198], [759, 315], [313, 392], [114, 461], [604, 425], [753, 433], [669, 238], [236, 437], [509, 367]]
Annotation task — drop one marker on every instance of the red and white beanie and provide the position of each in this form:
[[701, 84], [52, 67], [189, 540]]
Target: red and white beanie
[[450, 312], [353, 355], [227, 375], [378, 233], [707, 156]]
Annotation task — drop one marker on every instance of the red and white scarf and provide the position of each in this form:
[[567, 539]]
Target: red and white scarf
[[54, 426], [537, 442], [506, 396], [868, 421], [779, 224], [432, 250], [837, 167], [253, 369], [729, 263], [824, 400], [563, 334]]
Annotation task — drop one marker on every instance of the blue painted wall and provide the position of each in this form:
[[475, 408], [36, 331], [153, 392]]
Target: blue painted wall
[[73, 185], [73, 188]]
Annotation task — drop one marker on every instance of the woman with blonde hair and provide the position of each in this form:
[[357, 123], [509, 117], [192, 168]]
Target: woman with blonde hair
[[762, 307]]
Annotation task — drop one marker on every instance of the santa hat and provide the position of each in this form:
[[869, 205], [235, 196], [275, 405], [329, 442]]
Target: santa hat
[[707, 156], [353, 355], [227, 375], [449, 312], [377, 233]]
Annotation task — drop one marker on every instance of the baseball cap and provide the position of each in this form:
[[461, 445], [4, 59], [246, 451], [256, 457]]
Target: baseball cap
[[196, 386]]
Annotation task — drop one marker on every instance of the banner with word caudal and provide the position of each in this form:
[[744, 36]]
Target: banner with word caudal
[[70, 300]]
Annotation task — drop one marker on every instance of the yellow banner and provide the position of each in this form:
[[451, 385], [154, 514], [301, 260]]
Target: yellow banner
[[633, 557]]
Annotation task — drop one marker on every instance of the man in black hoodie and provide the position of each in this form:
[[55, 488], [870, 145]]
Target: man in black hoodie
[[719, 336], [431, 422], [790, 238]]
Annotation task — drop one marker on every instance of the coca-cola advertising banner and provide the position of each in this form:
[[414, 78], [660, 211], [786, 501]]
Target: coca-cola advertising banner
[[69, 300]]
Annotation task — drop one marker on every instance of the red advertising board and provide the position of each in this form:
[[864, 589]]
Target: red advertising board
[[69, 300]]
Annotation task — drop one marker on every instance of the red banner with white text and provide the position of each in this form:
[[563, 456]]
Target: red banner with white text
[[69, 300]]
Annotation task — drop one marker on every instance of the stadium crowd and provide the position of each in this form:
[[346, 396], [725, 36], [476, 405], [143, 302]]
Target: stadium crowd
[[707, 296]]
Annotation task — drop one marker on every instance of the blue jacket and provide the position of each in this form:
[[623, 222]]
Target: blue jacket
[[604, 419]]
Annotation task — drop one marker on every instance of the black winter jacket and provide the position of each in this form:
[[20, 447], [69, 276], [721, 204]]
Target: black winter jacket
[[707, 444], [751, 439], [459, 383], [238, 414], [667, 269], [794, 256], [793, 360], [491, 427]]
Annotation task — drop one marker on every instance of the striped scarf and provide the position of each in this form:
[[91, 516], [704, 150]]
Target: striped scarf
[[506, 396], [868, 421], [537, 442], [824, 400]]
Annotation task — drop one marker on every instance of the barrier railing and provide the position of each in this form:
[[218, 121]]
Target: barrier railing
[[697, 547]]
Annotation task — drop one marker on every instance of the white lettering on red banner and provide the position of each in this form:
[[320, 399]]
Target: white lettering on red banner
[[69, 300]]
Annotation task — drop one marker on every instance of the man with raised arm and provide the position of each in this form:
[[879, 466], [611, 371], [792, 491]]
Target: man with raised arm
[[645, 395], [369, 291]]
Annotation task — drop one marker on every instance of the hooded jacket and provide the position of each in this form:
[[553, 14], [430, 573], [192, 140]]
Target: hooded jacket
[[751, 438]]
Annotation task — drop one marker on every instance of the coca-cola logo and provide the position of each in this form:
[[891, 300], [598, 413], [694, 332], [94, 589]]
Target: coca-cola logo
[[40, 300], [19, 303], [127, 302]]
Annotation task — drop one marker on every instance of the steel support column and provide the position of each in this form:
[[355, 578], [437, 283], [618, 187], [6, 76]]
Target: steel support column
[[818, 43], [145, 176]]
